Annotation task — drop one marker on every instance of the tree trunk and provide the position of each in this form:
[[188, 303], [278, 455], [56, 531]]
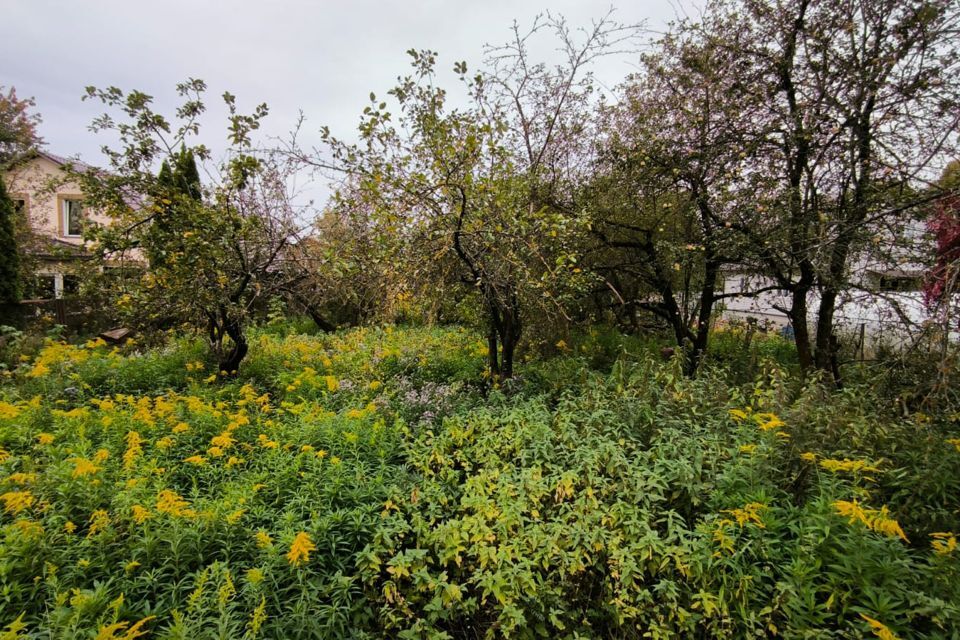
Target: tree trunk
[[231, 363], [823, 356], [801, 331], [492, 354], [707, 298], [509, 339]]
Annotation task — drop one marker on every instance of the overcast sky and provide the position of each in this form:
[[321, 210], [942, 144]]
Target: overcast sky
[[321, 57]]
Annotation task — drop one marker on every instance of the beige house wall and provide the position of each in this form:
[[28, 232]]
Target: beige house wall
[[41, 183]]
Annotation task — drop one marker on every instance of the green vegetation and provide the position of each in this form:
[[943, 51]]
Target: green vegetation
[[371, 483], [9, 252]]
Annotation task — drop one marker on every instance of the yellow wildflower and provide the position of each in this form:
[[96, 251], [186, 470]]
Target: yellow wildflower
[[134, 449], [17, 501], [99, 520], [808, 457], [8, 411], [847, 465], [877, 520], [748, 514], [29, 529], [223, 441], [22, 478], [180, 427], [300, 549], [944, 542], [140, 514], [69, 527], [254, 576], [258, 617], [879, 629], [110, 632], [101, 455], [83, 467], [38, 371], [332, 383], [768, 421], [748, 448], [197, 460], [263, 539], [265, 442], [45, 439], [170, 502]]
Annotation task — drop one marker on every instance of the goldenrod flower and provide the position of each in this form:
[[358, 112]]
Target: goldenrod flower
[[17, 501], [768, 421], [847, 465], [223, 441], [874, 519], [171, 503], [879, 629], [134, 449], [45, 439], [83, 467], [263, 539], [140, 514], [300, 549], [748, 514], [99, 520], [332, 383], [944, 542], [110, 632], [8, 411]]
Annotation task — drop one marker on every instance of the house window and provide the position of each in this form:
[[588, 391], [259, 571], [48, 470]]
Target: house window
[[42, 286], [71, 285], [19, 206], [72, 215], [900, 283]]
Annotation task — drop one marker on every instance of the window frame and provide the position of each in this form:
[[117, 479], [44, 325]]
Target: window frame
[[64, 213]]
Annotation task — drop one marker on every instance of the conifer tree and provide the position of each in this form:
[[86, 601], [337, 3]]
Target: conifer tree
[[9, 256]]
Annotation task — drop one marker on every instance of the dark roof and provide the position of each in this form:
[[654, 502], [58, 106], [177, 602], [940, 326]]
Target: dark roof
[[63, 160]]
